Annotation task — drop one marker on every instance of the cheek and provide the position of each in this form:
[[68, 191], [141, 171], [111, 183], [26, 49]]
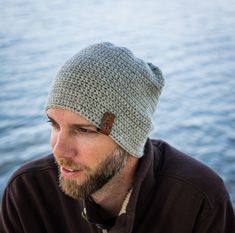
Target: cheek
[[97, 151], [87, 151]]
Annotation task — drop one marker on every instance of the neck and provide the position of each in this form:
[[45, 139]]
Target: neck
[[112, 194]]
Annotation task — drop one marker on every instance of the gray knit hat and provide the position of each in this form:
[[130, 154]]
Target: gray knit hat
[[103, 82]]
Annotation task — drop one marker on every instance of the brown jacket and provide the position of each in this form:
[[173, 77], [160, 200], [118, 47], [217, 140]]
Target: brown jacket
[[172, 193]]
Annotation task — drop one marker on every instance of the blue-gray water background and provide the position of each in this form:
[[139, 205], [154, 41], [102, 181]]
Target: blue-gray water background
[[193, 42]]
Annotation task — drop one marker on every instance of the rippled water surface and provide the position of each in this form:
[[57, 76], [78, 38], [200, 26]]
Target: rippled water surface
[[193, 42]]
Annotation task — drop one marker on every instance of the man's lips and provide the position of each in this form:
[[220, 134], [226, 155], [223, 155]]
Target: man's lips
[[69, 172]]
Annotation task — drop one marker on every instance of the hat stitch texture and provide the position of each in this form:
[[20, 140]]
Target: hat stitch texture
[[107, 78]]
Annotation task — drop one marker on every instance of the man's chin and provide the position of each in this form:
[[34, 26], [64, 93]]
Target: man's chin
[[78, 189], [72, 188]]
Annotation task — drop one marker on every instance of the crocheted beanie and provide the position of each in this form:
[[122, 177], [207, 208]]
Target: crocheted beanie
[[113, 89]]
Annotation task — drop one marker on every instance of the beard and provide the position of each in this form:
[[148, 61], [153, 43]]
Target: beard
[[95, 180]]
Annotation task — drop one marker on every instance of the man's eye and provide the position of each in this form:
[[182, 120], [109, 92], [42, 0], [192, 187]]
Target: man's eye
[[83, 130], [52, 123], [87, 131]]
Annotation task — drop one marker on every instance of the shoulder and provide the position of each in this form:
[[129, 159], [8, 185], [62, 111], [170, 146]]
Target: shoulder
[[185, 170], [34, 168]]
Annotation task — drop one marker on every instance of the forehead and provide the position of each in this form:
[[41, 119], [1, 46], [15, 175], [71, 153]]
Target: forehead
[[66, 116]]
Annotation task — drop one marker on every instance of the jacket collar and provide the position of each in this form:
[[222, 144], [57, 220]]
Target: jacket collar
[[124, 222]]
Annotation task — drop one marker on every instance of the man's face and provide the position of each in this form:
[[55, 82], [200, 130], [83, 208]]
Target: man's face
[[86, 159]]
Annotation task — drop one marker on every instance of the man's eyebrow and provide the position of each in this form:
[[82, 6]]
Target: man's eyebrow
[[50, 118], [75, 125]]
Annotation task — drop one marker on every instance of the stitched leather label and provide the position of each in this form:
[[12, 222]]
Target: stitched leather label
[[107, 123]]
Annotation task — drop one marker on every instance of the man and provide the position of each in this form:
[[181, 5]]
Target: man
[[105, 174]]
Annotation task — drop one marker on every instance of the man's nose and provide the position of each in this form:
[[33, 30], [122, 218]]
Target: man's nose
[[64, 146]]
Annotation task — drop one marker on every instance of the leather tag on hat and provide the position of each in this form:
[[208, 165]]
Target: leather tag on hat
[[107, 123]]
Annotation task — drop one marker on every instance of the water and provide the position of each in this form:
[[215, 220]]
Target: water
[[193, 42]]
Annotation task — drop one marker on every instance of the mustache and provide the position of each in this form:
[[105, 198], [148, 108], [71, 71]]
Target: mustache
[[70, 164]]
